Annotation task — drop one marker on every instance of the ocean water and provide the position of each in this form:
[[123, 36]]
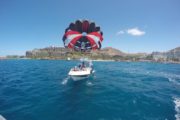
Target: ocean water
[[41, 90]]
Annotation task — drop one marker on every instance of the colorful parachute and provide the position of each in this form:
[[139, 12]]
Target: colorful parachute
[[83, 35]]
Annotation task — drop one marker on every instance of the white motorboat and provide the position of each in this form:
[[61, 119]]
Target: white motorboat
[[82, 71]]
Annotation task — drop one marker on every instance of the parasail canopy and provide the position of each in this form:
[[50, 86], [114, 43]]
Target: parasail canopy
[[83, 35]]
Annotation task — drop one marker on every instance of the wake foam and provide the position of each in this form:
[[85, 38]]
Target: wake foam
[[177, 108], [65, 80], [171, 76], [175, 81], [2, 118], [88, 83]]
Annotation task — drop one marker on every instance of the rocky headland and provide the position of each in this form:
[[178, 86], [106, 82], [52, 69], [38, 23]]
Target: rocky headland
[[107, 53]]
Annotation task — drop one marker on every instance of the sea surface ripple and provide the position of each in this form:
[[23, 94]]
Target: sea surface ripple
[[41, 90]]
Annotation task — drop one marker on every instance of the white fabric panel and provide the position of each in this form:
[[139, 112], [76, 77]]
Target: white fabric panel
[[95, 38], [70, 37]]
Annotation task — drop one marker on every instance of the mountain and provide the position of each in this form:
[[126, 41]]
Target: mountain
[[173, 55], [61, 53], [48, 53], [107, 53], [111, 51]]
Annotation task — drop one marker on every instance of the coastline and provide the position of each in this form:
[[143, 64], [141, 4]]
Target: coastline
[[96, 60]]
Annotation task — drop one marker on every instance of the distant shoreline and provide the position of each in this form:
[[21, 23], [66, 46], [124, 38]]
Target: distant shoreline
[[105, 54], [95, 60]]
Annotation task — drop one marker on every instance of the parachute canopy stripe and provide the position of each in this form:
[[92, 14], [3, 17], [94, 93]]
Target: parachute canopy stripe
[[85, 26], [71, 37], [94, 38], [97, 35], [93, 43], [71, 33], [73, 41]]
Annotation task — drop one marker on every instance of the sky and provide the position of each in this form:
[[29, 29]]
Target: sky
[[129, 25]]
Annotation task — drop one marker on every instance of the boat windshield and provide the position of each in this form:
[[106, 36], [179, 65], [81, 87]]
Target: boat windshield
[[83, 65]]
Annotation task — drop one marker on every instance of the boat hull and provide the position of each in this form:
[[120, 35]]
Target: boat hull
[[80, 74], [78, 78]]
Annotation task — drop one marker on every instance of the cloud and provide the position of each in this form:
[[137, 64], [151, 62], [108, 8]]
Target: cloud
[[120, 32], [132, 31], [135, 32]]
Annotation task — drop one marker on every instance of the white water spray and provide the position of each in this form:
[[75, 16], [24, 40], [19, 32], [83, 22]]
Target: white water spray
[[65, 80]]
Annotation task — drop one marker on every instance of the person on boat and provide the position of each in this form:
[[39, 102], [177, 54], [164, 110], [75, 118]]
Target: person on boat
[[79, 66], [75, 68], [90, 65], [83, 64]]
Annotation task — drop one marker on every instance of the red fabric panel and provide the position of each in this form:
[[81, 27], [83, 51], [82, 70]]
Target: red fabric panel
[[92, 42], [85, 26], [71, 33]]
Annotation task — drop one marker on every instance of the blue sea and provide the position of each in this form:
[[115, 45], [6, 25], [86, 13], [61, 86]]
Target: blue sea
[[41, 90]]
